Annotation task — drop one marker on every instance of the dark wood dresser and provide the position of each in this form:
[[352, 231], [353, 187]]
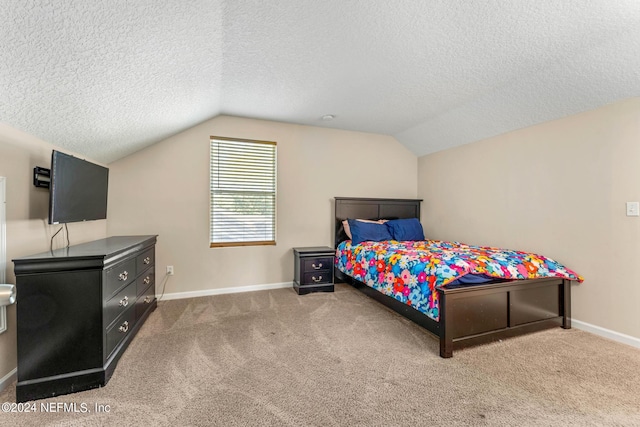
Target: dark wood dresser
[[313, 271], [78, 308]]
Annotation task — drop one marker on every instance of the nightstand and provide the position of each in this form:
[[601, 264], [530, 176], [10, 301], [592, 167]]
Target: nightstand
[[313, 269]]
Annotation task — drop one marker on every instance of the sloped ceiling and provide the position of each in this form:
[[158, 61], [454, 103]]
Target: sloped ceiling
[[105, 78]]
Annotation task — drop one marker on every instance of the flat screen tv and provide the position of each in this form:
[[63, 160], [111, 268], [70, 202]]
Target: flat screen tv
[[78, 190]]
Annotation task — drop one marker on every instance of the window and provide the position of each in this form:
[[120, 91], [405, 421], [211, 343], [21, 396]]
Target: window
[[243, 192]]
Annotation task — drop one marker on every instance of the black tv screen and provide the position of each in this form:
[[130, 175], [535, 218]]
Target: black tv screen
[[78, 189]]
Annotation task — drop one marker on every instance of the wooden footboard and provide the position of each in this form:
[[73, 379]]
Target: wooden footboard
[[478, 314]]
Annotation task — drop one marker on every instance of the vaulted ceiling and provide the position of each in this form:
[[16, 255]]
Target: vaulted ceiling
[[105, 78]]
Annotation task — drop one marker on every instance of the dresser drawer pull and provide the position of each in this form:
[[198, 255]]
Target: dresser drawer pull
[[147, 300], [124, 301], [147, 280], [147, 260], [123, 276], [125, 327], [319, 279], [316, 267]]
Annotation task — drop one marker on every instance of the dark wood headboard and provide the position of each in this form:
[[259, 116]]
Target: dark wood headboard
[[364, 208]]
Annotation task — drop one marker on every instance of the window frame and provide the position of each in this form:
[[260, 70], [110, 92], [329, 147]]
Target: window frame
[[272, 242]]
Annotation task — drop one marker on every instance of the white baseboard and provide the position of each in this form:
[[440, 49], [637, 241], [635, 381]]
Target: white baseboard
[[8, 379], [221, 291], [606, 333]]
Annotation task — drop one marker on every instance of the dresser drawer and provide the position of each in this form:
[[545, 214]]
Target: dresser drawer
[[145, 300], [145, 259], [317, 264], [145, 279], [119, 303], [317, 277], [118, 276], [120, 329]]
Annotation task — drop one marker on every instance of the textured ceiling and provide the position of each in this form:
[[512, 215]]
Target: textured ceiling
[[106, 78]]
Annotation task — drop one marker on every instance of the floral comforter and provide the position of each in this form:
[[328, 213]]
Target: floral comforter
[[411, 271]]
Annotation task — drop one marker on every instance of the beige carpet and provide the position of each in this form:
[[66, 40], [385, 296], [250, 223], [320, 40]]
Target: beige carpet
[[341, 359]]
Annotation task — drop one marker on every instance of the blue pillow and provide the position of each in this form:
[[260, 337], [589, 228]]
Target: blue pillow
[[368, 231], [405, 229]]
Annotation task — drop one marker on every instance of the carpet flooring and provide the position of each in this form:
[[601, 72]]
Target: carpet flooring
[[273, 358]]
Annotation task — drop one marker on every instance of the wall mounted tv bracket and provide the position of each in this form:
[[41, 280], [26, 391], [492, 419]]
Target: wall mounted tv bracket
[[41, 177]]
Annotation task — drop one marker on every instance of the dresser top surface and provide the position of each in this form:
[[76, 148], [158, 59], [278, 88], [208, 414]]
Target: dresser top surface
[[97, 248]]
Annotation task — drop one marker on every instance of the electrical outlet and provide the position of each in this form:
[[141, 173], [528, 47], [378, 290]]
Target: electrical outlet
[[170, 270], [633, 209]]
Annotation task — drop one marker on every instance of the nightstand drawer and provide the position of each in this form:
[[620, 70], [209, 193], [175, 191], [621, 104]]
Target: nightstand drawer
[[317, 277], [317, 264]]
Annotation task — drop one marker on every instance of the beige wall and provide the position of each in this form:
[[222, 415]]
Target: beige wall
[[27, 210], [164, 190], [558, 189]]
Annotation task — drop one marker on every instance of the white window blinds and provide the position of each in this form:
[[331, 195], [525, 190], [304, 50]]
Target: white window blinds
[[243, 192]]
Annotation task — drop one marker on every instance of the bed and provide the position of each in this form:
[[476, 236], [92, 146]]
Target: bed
[[467, 313]]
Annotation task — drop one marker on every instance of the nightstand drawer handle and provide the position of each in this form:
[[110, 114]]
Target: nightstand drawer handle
[[124, 301], [319, 279], [147, 300], [123, 276], [147, 260], [125, 327], [317, 267], [147, 280]]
